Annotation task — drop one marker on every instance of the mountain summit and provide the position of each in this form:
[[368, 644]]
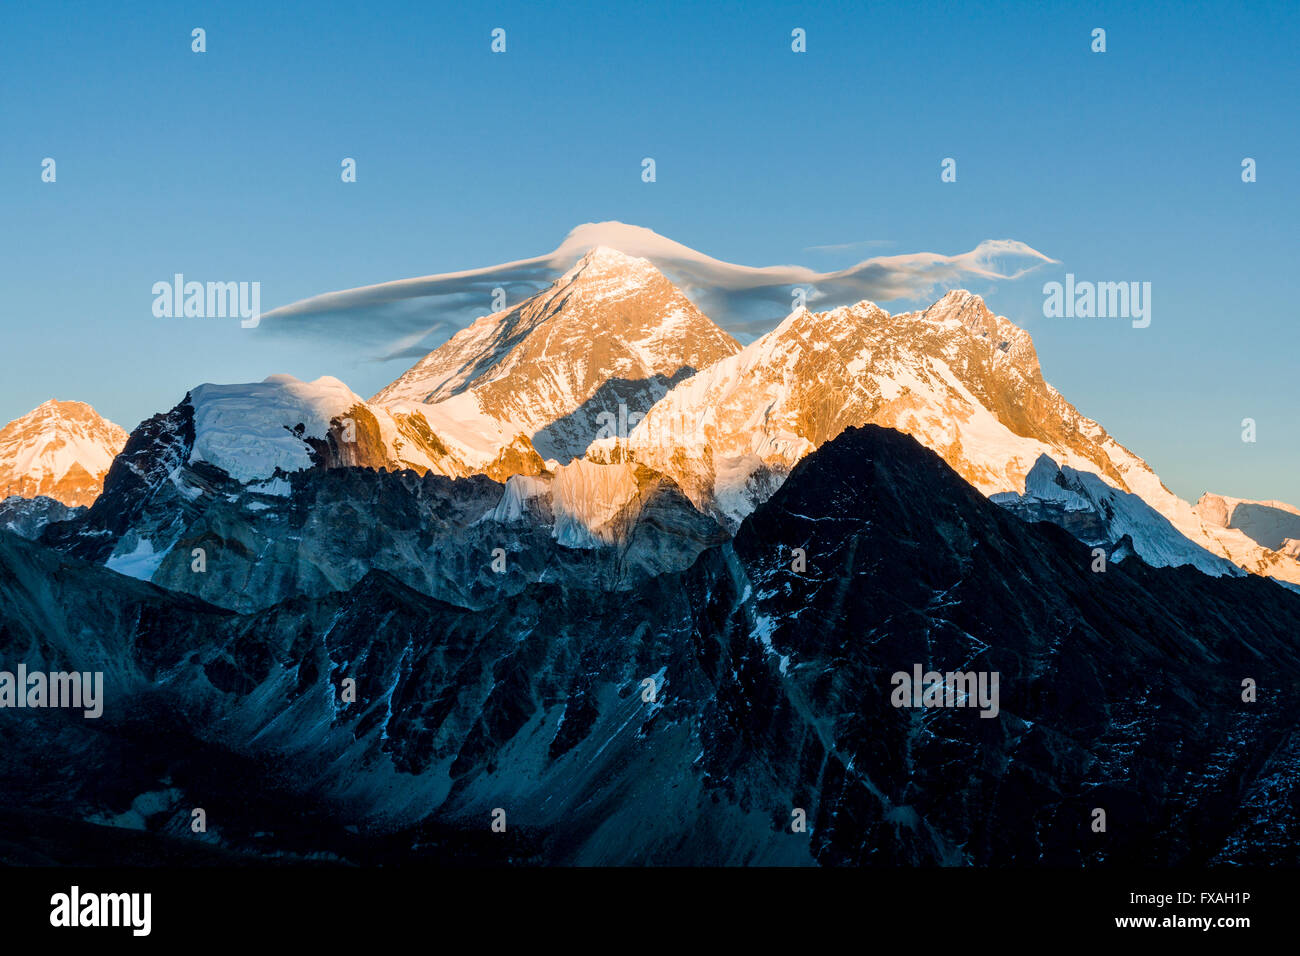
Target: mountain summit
[[61, 450], [612, 331], [963, 381]]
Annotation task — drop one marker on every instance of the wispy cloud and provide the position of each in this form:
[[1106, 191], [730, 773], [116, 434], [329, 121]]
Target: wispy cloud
[[415, 346], [851, 246], [406, 318]]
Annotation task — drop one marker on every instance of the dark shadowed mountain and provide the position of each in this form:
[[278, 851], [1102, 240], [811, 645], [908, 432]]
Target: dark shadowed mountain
[[684, 719], [321, 529]]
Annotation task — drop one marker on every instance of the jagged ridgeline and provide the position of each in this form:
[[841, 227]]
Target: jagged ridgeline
[[610, 393]]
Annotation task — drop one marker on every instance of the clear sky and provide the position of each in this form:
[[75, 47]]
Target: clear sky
[[1124, 166]]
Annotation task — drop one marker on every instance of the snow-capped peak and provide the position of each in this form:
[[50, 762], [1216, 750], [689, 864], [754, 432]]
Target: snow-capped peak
[[960, 379], [606, 339], [606, 259], [250, 430], [59, 449]]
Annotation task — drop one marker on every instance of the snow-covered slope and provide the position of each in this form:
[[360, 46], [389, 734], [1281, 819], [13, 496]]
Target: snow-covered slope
[[963, 381], [251, 430], [61, 450], [610, 332], [1270, 524], [1230, 542], [1098, 513]]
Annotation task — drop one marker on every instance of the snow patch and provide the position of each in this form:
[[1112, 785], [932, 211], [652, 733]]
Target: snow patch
[[142, 563]]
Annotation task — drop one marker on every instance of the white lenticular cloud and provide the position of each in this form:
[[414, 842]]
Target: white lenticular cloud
[[407, 317]]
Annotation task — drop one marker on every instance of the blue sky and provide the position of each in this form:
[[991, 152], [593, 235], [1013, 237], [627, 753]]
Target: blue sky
[[225, 165]]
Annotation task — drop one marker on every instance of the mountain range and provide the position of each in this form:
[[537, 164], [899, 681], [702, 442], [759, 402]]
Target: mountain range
[[613, 365], [1120, 691], [598, 487]]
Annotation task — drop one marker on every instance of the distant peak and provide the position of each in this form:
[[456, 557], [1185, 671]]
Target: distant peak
[[965, 307], [602, 252], [60, 450], [607, 263], [58, 408], [959, 298], [608, 258]]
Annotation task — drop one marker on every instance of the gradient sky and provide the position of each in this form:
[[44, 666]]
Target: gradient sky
[[225, 166]]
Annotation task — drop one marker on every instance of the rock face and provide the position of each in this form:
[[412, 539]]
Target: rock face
[[27, 517], [60, 450], [157, 448], [611, 332], [684, 719], [1105, 677]]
